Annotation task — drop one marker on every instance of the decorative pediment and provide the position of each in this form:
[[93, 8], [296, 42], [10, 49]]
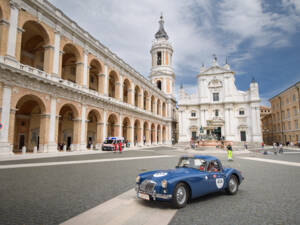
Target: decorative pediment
[[215, 70], [215, 83]]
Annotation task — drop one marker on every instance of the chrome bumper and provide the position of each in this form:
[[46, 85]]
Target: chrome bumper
[[154, 195]]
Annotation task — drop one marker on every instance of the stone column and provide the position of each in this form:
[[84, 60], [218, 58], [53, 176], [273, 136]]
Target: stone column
[[104, 131], [141, 96], [12, 32], [85, 68], [106, 80], [253, 120], [18, 44], [120, 126], [76, 134], [101, 83], [5, 116], [52, 145], [121, 88], [117, 91], [164, 86], [56, 63], [83, 129], [61, 53], [147, 135], [79, 73], [227, 123], [48, 56], [148, 104], [99, 138], [132, 132], [141, 134], [132, 93]]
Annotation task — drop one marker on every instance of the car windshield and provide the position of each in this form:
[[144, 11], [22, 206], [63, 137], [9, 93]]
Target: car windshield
[[108, 141], [190, 162]]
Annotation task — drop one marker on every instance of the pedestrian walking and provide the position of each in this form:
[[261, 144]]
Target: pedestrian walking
[[120, 147], [280, 148], [116, 146], [229, 152], [262, 145], [245, 145]]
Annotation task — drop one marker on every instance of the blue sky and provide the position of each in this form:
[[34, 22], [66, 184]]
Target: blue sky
[[261, 38]]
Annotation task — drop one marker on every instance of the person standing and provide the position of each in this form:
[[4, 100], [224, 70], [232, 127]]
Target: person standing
[[229, 152], [120, 147], [116, 146], [280, 148]]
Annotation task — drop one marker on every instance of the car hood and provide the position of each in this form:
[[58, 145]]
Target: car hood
[[159, 175]]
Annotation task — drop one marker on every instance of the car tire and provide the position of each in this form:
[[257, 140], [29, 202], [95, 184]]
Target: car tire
[[180, 196], [233, 185]]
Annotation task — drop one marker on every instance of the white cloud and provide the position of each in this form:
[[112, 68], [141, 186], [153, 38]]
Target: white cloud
[[197, 28]]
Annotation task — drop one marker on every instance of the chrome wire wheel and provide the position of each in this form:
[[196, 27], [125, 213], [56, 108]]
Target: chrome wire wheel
[[233, 185], [181, 195]]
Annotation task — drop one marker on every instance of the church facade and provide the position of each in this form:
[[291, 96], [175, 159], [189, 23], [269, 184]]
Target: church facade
[[59, 85], [219, 110]]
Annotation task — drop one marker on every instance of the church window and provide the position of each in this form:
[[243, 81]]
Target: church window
[[287, 100], [295, 111], [294, 97], [158, 83], [216, 112], [215, 97], [158, 58], [241, 112], [193, 114], [296, 124]]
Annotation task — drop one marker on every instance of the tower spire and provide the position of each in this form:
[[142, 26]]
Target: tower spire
[[161, 33]]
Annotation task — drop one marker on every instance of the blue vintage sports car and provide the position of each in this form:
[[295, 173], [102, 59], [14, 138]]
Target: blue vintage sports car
[[194, 176]]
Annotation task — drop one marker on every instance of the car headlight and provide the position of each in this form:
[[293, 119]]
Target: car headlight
[[164, 183], [137, 179]]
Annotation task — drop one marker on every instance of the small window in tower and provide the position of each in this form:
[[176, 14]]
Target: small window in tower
[[215, 97], [158, 58], [217, 113], [159, 84]]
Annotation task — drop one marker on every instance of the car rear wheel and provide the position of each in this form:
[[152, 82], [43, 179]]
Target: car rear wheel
[[233, 185], [180, 196]]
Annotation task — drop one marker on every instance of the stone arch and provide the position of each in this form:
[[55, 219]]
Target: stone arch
[[137, 96], [164, 135], [152, 103], [153, 134], [159, 84], [158, 112], [94, 81], [137, 132], [126, 128], [94, 129], [146, 133], [71, 66], [158, 133], [146, 101], [30, 124], [35, 50], [113, 82], [112, 125], [127, 91], [68, 127]]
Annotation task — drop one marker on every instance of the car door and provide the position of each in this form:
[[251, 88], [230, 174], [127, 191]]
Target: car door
[[199, 183], [216, 178]]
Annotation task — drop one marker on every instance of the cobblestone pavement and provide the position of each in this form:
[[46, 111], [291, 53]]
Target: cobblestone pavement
[[51, 195]]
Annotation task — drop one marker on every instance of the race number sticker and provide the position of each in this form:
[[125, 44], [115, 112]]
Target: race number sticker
[[219, 182]]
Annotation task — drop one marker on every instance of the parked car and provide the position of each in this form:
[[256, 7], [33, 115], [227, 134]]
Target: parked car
[[194, 176], [109, 143]]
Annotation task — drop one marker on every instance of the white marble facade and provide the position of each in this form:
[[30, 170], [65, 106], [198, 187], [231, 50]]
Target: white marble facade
[[219, 107]]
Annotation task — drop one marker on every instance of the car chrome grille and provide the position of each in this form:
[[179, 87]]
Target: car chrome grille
[[147, 186]]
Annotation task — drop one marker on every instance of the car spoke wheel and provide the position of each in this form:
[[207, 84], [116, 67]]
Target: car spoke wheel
[[180, 195], [233, 185]]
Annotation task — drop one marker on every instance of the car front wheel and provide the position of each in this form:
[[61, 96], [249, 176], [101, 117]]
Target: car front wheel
[[233, 185], [180, 196]]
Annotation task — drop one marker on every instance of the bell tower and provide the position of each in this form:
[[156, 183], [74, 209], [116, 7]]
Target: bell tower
[[162, 74]]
